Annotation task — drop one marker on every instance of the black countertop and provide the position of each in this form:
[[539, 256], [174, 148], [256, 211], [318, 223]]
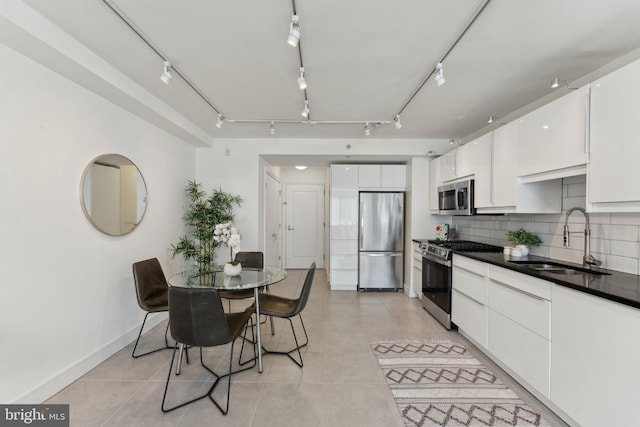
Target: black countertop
[[615, 286]]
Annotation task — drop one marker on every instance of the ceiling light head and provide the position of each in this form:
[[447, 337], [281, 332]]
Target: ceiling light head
[[555, 83], [439, 75], [491, 119], [272, 129], [219, 122], [167, 75], [397, 120], [302, 82], [367, 129], [432, 153], [294, 31], [305, 110]]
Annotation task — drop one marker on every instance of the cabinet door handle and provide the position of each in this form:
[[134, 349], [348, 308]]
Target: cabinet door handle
[[470, 297], [290, 227], [518, 290]]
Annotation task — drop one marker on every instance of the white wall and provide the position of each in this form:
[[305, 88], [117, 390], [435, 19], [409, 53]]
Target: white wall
[[67, 298]]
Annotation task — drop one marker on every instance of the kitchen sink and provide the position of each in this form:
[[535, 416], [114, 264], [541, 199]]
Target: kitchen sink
[[557, 268]]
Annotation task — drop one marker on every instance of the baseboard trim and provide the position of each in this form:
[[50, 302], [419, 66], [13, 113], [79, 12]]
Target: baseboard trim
[[57, 382]]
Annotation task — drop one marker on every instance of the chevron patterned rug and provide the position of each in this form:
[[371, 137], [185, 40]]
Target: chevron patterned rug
[[440, 383]]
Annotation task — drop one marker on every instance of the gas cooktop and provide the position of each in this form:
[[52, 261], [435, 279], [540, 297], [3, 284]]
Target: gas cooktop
[[465, 246]]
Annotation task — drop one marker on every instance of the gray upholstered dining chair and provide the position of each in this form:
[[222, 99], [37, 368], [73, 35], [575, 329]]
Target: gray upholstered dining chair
[[287, 308], [197, 319], [152, 292]]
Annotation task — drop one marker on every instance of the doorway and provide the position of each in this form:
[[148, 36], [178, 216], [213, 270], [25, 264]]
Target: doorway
[[304, 226], [273, 221]]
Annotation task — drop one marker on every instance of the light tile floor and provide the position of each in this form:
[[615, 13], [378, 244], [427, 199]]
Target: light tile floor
[[341, 383]]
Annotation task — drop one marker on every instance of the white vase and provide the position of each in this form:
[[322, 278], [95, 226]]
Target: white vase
[[524, 249], [232, 269]]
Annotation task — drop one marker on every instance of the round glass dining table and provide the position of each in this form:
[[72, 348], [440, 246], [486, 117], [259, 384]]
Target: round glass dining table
[[249, 278]]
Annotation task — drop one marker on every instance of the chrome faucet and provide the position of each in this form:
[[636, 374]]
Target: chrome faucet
[[587, 259]]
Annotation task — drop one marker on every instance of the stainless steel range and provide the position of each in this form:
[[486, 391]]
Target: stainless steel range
[[437, 273]]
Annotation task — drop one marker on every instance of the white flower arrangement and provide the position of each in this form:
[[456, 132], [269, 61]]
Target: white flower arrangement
[[227, 234]]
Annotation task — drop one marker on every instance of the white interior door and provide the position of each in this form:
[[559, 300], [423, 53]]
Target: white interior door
[[304, 225], [273, 221]]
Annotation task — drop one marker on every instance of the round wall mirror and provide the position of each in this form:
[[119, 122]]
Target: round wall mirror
[[113, 194]]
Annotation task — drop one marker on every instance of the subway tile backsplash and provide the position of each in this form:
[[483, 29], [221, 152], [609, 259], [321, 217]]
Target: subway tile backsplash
[[615, 237]]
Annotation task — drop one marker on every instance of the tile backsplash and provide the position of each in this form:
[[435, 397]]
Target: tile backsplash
[[615, 237]]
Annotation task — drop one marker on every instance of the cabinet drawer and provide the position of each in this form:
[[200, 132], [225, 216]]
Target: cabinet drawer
[[525, 353], [344, 277], [478, 267], [470, 284], [528, 310], [344, 262], [470, 316], [538, 287], [344, 247]]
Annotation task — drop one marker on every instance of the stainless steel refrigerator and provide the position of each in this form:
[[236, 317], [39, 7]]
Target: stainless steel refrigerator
[[381, 241]]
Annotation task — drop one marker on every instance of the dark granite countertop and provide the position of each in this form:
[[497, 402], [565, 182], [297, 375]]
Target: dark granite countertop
[[615, 286]]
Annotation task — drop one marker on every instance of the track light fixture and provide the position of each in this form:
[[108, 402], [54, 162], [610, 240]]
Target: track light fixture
[[294, 31], [305, 110], [454, 141], [397, 122], [219, 122], [439, 75], [166, 74], [272, 129], [491, 119], [302, 82], [367, 129], [432, 153]]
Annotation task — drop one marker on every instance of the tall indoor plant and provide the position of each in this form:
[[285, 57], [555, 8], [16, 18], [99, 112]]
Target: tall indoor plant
[[203, 213]]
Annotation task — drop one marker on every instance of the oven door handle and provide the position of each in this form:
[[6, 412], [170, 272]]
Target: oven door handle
[[437, 260]]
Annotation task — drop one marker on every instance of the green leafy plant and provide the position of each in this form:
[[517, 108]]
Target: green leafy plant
[[523, 237], [203, 213]]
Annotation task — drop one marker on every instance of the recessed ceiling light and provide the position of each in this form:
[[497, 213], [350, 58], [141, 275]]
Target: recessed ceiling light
[[301, 168]]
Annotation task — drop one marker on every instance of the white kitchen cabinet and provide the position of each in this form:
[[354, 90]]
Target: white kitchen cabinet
[[449, 166], [519, 325], [343, 261], [476, 160], [388, 177], [498, 190], [435, 180], [552, 140], [613, 172], [469, 298], [594, 363], [416, 270]]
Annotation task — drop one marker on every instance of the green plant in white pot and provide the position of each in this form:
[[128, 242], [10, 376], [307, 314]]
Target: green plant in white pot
[[523, 239], [203, 214]]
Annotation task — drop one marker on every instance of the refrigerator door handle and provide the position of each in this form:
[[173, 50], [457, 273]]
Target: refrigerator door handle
[[381, 253]]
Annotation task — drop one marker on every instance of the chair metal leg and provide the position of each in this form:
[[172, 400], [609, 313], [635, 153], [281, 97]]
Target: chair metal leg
[[166, 341], [297, 347]]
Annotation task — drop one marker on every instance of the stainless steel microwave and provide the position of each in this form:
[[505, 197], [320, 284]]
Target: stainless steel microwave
[[456, 198]]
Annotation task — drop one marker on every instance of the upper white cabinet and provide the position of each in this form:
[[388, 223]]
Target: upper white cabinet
[[435, 180], [449, 166], [499, 190], [552, 140], [382, 176], [344, 177], [613, 176], [475, 159]]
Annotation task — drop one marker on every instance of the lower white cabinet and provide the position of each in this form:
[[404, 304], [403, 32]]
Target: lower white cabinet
[[416, 270], [469, 298], [595, 369], [519, 328]]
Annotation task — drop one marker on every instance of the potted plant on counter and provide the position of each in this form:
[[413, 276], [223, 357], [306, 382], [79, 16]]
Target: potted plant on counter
[[523, 239]]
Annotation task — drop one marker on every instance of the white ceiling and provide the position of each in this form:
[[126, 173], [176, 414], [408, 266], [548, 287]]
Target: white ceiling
[[363, 58]]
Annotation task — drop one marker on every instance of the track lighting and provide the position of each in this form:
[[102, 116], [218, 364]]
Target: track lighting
[[367, 129], [272, 129], [302, 82], [431, 153], [166, 75], [454, 141], [397, 120], [490, 119], [305, 110], [219, 122], [294, 31], [439, 75]]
